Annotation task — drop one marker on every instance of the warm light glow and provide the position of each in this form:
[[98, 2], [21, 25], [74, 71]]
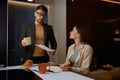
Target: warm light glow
[[111, 1], [117, 31], [116, 39], [30, 0], [22, 3]]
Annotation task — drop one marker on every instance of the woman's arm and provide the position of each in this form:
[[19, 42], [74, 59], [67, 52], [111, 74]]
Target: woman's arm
[[85, 63]]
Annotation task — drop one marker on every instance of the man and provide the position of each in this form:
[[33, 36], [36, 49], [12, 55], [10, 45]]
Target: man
[[40, 33]]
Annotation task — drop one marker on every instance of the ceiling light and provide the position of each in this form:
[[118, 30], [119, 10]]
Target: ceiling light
[[30, 0], [112, 1]]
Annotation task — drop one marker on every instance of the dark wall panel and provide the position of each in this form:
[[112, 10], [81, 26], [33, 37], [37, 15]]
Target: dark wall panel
[[101, 18], [19, 14], [3, 31]]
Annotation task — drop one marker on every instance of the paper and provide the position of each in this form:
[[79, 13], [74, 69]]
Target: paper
[[55, 69], [11, 68], [15, 67], [44, 47], [59, 75]]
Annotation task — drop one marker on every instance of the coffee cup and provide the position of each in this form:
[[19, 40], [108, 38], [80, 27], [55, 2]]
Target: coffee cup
[[42, 67], [27, 40]]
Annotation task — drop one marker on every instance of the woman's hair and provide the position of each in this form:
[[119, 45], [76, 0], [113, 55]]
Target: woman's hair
[[81, 30], [42, 7]]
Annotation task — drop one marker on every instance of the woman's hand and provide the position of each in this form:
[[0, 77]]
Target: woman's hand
[[65, 68]]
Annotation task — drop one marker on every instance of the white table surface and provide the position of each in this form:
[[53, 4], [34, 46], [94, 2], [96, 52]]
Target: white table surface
[[60, 75], [57, 75]]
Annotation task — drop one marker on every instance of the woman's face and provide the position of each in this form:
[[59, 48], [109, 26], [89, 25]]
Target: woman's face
[[39, 15], [74, 33]]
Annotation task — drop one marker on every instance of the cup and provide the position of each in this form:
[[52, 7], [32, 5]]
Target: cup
[[27, 40], [42, 67]]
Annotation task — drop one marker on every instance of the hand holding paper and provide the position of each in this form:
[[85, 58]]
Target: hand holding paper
[[44, 47], [50, 53]]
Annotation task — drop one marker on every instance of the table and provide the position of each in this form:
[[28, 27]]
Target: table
[[18, 73], [58, 74]]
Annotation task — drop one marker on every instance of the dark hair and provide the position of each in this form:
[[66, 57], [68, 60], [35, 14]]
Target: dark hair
[[82, 31], [42, 7]]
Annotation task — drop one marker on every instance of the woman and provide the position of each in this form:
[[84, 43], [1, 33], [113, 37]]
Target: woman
[[79, 54]]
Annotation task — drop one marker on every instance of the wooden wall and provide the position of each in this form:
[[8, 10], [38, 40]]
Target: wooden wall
[[101, 18]]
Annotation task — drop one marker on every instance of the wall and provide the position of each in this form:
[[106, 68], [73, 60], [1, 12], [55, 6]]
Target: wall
[[57, 18], [101, 18], [3, 32], [19, 14]]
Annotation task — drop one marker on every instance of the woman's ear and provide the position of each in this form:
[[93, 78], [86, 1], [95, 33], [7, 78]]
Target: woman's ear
[[78, 35]]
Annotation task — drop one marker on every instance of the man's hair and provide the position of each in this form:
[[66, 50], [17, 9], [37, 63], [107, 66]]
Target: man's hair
[[42, 7]]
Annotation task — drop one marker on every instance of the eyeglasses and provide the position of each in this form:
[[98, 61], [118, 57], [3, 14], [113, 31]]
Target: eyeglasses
[[40, 14]]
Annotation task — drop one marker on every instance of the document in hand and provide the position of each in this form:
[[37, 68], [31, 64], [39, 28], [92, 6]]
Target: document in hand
[[44, 47]]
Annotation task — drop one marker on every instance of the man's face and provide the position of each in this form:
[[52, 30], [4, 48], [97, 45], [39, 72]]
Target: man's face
[[39, 15]]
